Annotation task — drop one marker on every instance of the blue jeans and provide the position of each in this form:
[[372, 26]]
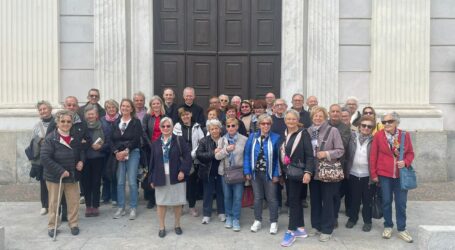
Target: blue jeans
[[389, 187], [233, 199], [212, 184], [130, 168]]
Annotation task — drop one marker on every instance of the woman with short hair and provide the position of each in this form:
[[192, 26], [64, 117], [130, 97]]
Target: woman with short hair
[[369, 111], [170, 162]]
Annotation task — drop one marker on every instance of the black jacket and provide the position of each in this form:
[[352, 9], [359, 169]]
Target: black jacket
[[57, 157], [205, 153], [79, 131], [148, 125], [304, 118], [197, 112], [130, 139], [303, 152], [172, 112], [156, 166]]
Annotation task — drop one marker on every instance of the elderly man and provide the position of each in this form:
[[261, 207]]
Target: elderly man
[[197, 111], [224, 101], [139, 105], [297, 105], [311, 102], [170, 107], [236, 100], [269, 100], [345, 132], [93, 97], [346, 118], [352, 103]]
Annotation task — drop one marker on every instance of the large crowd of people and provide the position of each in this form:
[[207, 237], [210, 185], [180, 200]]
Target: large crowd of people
[[180, 154]]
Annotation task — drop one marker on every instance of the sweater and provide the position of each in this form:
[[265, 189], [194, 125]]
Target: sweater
[[130, 139]]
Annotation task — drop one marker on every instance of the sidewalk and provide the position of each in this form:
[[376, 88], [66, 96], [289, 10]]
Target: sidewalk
[[26, 229]]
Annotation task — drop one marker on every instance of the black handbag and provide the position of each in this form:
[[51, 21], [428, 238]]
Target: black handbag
[[376, 202], [295, 171]]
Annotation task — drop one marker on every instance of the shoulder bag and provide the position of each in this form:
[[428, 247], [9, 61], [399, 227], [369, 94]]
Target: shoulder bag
[[294, 171], [233, 174], [328, 171], [408, 178]]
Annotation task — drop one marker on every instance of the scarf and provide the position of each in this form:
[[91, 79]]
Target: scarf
[[394, 145], [314, 134], [231, 140], [294, 145], [268, 157], [363, 138], [166, 147], [97, 130], [111, 118]]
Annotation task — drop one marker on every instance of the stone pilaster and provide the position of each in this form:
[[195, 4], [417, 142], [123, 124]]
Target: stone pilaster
[[110, 48], [323, 50], [400, 62]]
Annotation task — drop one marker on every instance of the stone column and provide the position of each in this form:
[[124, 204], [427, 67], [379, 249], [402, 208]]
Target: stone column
[[400, 62], [141, 66], [323, 51], [293, 48], [110, 48]]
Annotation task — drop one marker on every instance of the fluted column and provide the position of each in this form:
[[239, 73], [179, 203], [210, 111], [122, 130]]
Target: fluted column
[[29, 53], [400, 61], [141, 65], [293, 48], [110, 48], [323, 50]]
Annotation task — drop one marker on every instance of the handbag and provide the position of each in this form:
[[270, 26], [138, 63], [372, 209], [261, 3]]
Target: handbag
[[233, 174], [329, 171], [376, 203], [248, 197], [295, 171], [408, 178]]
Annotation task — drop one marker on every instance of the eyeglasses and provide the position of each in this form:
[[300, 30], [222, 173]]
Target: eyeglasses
[[224, 100], [368, 113], [165, 126], [94, 96], [388, 122], [366, 126], [66, 121], [230, 126], [265, 123], [279, 105], [244, 107]]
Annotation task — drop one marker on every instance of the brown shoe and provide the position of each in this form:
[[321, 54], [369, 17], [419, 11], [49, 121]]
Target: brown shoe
[[95, 212], [88, 212]]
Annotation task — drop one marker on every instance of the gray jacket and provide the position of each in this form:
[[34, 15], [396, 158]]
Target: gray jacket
[[350, 153], [223, 155]]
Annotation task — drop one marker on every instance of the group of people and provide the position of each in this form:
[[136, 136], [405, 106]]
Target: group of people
[[179, 153]]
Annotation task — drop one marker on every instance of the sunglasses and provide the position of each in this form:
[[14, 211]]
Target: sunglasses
[[94, 96], [266, 123], [66, 121], [388, 122], [366, 126], [230, 126], [166, 126], [367, 113], [244, 107]]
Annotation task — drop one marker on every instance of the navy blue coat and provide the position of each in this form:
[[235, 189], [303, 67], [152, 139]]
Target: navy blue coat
[[156, 167]]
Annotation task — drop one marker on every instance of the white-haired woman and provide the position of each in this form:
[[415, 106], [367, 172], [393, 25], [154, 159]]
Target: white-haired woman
[[208, 171]]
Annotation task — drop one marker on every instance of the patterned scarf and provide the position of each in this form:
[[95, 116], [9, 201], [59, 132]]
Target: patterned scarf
[[231, 140], [166, 147], [394, 145], [111, 118]]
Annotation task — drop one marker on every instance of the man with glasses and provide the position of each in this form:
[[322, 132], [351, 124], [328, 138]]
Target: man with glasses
[[93, 97], [297, 105], [224, 101], [269, 100]]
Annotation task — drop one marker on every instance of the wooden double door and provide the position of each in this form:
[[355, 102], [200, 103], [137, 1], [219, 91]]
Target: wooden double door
[[228, 47]]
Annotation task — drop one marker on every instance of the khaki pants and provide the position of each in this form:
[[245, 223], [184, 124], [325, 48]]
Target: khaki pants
[[72, 195]]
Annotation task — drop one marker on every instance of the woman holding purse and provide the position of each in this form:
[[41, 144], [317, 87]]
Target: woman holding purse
[[232, 145], [296, 152]]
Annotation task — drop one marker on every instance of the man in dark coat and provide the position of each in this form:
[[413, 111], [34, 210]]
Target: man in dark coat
[[93, 97], [297, 105], [196, 110]]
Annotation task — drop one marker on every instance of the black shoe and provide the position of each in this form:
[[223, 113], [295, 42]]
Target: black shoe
[[50, 232], [162, 233], [74, 230], [64, 218], [335, 225], [150, 205], [366, 227], [178, 230], [350, 224]]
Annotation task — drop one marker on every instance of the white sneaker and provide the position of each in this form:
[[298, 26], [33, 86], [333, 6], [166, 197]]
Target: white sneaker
[[82, 200], [273, 228], [205, 220], [43, 211], [132, 213], [222, 217], [257, 225], [120, 212]]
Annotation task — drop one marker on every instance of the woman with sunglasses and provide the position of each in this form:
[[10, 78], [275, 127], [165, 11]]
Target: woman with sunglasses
[[260, 166], [247, 116], [385, 168], [231, 146], [170, 162], [369, 111], [357, 165]]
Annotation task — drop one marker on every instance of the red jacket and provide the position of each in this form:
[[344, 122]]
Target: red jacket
[[382, 160]]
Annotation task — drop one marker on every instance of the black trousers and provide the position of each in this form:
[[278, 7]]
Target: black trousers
[[192, 189], [43, 191], [92, 181], [296, 188], [149, 193], [323, 196], [361, 193], [343, 192]]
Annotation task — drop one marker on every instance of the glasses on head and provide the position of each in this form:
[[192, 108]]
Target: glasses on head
[[388, 122], [230, 126], [165, 126], [266, 123], [66, 121], [368, 113], [366, 126]]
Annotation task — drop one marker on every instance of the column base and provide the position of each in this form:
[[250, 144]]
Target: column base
[[416, 117]]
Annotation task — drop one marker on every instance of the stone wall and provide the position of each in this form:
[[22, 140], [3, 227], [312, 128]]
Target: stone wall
[[433, 161]]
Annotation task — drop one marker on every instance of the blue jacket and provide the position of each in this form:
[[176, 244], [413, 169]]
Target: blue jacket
[[248, 162]]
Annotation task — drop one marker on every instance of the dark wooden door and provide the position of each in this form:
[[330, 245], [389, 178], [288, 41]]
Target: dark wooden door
[[228, 47]]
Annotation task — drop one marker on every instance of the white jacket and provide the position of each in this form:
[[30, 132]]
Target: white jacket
[[196, 135]]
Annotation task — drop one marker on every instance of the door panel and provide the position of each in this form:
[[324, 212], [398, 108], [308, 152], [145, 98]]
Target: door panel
[[266, 25], [233, 28], [202, 25], [265, 75], [169, 73], [169, 25], [233, 75], [201, 75]]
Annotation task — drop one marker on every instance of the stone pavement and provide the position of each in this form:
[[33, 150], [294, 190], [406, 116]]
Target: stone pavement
[[26, 229]]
